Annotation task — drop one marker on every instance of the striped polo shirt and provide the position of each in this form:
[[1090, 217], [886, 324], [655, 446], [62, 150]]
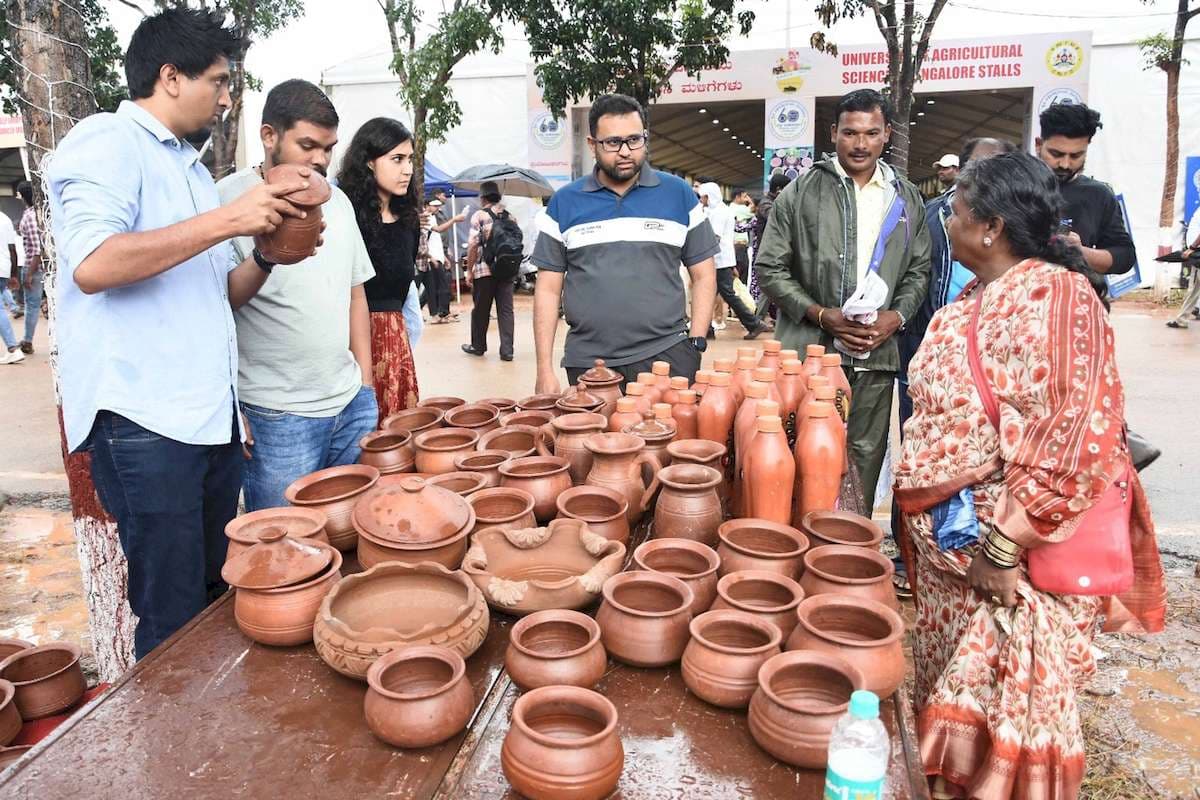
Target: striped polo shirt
[[623, 295]]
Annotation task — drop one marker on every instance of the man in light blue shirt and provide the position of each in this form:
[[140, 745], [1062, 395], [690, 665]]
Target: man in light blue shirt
[[148, 358]]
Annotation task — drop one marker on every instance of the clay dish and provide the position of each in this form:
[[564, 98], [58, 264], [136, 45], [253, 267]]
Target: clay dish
[[563, 565], [692, 562], [766, 594], [502, 404], [760, 544], [437, 448], [47, 679], [604, 510], [418, 696], [334, 491], [442, 403], [396, 605], [518, 440], [10, 646], [245, 531], [284, 616], [11, 755], [555, 648], [841, 527], [478, 417], [414, 420], [846, 570], [10, 718], [865, 633], [721, 662], [461, 483], [484, 462], [502, 507], [389, 451], [644, 618], [534, 419], [413, 522], [544, 477], [277, 560]]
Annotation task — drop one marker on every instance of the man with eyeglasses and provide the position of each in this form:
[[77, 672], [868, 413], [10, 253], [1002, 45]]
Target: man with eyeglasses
[[609, 246]]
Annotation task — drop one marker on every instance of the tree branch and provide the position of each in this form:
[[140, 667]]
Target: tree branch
[[134, 6]]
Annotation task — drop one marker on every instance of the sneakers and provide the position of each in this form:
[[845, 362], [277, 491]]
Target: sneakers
[[15, 357], [1176, 323]]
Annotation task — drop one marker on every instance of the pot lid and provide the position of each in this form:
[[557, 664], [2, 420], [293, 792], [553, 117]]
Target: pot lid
[[414, 512], [277, 560], [652, 429], [318, 190], [600, 375], [581, 399]]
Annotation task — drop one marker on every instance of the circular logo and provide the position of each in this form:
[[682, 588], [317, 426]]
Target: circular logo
[[1057, 96], [1064, 58], [547, 131], [788, 120]]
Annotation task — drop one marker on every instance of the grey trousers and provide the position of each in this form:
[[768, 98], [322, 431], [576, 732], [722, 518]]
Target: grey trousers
[[870, 424]]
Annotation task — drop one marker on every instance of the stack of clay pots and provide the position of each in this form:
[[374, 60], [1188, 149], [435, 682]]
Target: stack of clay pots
[[35, 682]]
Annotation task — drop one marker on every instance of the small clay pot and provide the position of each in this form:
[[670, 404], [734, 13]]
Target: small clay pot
[[721, 662], [694, 563], [604, 511], [555, 648], [519, 441], [10, 646], [47, 679], [761, 544], [418, 696], [414, 420], [284, 616], [442, 403], [461, 483], [437, 449], [534, 419], [295, 238], [846, 570], [478, 417], [540, 402], [335, 491], [800, 696], [865, 633], [563, 745], [765, 594], [484, 462], [841, 527], [544, 477], [10, 717], [11, 755], [388, 451], [245, 531], [502, 507], [502, 404], [644, 618], [688, 507]]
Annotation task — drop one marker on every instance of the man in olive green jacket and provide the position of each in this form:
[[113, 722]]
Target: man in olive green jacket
[[828, 228]]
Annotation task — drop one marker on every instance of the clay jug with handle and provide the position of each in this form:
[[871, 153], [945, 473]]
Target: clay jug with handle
[[684, 414], [768, 473], [820, 459], [714, 419], [568, 434], [688, 507], [831, 367], [618, 460]]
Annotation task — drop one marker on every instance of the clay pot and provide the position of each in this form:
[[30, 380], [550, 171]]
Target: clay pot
[[644, 618], [502, 404], [617, 462], [702, 451], [518, 441], [388, 451], [334, 491], [277, 561], [295, 238], [604, 510], [478, 417], [534, 419], [47, 679], [579, 400], [657, 432], [865, 633], [721, 662], [540, 402], [769, 595], [283, 616], [544, 477], [688, 507], [563, 745], [555, 648], [569, 434], [856, 571], [502, 507], [246, 530], [414, 420], [485, 463], [800, 696], [437, 449], [761, 544], [10, 646], [418, 696], [442, 403], [841, 527], [395, 605], [461, 483], [413, 522], [692, 562], [10, 717], [604, 383], [11, 755]]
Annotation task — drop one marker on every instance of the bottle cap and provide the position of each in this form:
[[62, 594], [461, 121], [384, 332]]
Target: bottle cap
[[748, 352], [703, 377], [747, 362], [764, 374], [756, 390], [772, 345], [771, 424], [635, 390], [767, 408], [818, 380], [720, 379], [820, 409], [864, 704], [660, 368], [679, 382], [662, 410], [723, 365], [814, 351], [686, 397], [648, 377], [825, 393], [626, 404], [793, 366], [831, 360], [788, 355]]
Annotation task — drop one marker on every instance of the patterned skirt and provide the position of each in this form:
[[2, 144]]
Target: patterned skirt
[[391, 355]]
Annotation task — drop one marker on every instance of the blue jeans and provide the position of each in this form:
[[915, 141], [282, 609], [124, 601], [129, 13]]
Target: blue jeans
[[6, 330], [289, 446], [33, 305], [6, 296], [171, 501]]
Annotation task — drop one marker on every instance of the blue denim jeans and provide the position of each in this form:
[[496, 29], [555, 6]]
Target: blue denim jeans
[[33, 305], [171, 501], [6, 330], [6, 296], [289, 446]]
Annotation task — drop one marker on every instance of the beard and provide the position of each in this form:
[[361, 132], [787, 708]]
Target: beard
[[1065, 176], [621, 173], [197, 138]]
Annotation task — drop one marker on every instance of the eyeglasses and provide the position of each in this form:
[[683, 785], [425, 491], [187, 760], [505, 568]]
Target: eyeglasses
[[613, 143]]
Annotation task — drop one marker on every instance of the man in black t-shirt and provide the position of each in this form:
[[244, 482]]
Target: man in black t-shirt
[[1092, 216]]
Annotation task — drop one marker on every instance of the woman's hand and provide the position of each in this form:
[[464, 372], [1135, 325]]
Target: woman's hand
[[992, 584]]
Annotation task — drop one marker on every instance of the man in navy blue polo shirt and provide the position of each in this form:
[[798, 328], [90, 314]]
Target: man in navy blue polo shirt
[[610, 246]]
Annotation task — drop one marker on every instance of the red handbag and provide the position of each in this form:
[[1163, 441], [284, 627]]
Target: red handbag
[[1098, 558]]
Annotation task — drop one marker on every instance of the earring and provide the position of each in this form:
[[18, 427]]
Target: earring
[[987, 241]]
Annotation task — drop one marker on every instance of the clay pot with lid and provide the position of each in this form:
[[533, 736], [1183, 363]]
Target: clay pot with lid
[[751, 543], [626, 414], [504, 405], [604, 383], [769, 595], [461, 483], [540, 402], [502, 507], [334, 491], [437, 449], [246, 530], [853, 571], [518, 441], [478, 417], [617, 463], [413, 522], [10, 717], [414, 420], [841, 527], [10, 646], [388, 451], [657, 431], [563, 745], [688, 507], [46, 679], [800, 696], [418, 696], [484, 462], [442, 403], [720, 664], [692, 562], [568, 434], [544, 477], [555, 647], [863, 632], [294, 239], [579, 400], [605, 511], [644, 618]]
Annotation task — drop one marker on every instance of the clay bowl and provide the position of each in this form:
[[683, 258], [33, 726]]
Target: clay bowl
[[484, 462], [11, 755], [760, 544], [47, 679], [540, 402], [766, 594], [800, 697], [418, 696], [847, 570], [865, 633], [841, 527], [555, 648], [389, 451], [437, 449], [503, 508], [563, 745], [721, 662], [534, 419], [334, 491], [442, 403], [544, 477], [414, 420], [10, 646], [297, 522], [605, 511], [644, 618], [10, 717], [461, 483], [519, 440], [283, 617], [522, 570], [502, 404], [478, 417], [692, 562]]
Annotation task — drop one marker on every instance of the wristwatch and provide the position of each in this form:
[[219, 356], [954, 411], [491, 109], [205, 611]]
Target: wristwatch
[[263, 264], [699, 342]]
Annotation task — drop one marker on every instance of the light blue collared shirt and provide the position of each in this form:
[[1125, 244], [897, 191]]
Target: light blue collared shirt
[[161, 352]]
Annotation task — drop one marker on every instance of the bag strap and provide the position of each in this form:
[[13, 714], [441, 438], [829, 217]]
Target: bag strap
[[990, 406]]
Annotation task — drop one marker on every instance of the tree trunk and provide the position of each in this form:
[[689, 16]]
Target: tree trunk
[[48, 40], [1166, 211], [419, 147], [901, 131]]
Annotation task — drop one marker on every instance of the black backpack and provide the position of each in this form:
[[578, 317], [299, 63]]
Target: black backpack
[[505, 246]]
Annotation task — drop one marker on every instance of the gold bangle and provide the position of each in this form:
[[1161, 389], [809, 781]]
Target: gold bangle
[[820, 314], [1001, 543]]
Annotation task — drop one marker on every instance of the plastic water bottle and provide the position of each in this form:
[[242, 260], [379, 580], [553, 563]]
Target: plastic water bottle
[[858, 752]]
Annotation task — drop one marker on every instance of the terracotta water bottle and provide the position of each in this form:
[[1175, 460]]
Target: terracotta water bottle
[[771, 349], [819, 391], [749, 351], [662, 376], [723, 365], [820, 458], [831, 367], [671, 395], [702, 378], [626, 414], [650, 381], [714, 417], [643, 402], [743, 375], [791, 391], [754, 406], [768, 473], [812, 359], [684, 413], [788, 355], [769, 376]]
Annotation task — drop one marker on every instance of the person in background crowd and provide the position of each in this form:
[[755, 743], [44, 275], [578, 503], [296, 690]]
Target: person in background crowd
[[437, 275], [609, 247], [33, 276], [1191, 303], [376, 174], [762, 214], [443, 222], [486, 287], [722, 220], [947, 170], [8, 236], [743, 221], [304, 339]]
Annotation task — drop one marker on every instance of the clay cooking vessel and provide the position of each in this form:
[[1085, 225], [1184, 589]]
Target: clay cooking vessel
[[761, 544], [534, 419], [518, 440], [865, 633], [504, 405], [544, 477], [841, 527], [485, 462], [413, 522], [414, 420], [245, 531], [503, 508], [644, 618], [765, 594], [294, 239], [540, 402], [462, 484], [604, 510], [418, 696], [688, 507], [437, 449], [334, 491], [694, 563], [721, 662], [47, 679], [478, 417], [388, 451], [555, 648], [10, 717], [845, 570]]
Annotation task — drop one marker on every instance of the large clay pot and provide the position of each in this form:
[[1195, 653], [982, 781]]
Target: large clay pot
[[855, 571], [418, 696], [246, 530], [518, 441], [413, 522], [692, 562], [569, 433], [769, 595], [626, 414], [831, 368], [604, 383], [504, 405], [768, 472], [540, 402], [283, 616], [443, 403], [820, 457], [721, 662], [484, 462], [334, 491], [478, 417], [865, 633], [437, 449], [605, 511], [644, 618], [555, 648], [414, 420], [617, 462], [563, 745], [462, 484], [688, 507], [388, 451], [294, 238], [502, 507], [10, 717], [841, 527], [534, 419], [544, 477], [714, 419], [47, 679], [10, 646], [761, 544], [800, 696]]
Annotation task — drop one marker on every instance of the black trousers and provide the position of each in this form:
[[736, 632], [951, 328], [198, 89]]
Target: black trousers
[[437, 291], [741, 253], [485, 291], [683, 357], [745, 314]]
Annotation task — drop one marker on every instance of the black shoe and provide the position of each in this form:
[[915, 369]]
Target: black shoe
[[755, 331], [1196, 313], [506, 357], [470, 350]]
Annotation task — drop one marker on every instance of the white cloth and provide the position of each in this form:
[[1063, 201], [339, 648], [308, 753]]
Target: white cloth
[[8, 236], [720, 217], [437, 253], [863, 306]]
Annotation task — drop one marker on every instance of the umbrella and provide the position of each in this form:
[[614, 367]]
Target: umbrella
[[513, 181], [1171, 258]]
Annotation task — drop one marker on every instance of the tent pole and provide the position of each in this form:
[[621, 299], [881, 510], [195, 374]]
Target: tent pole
[[454, 227]]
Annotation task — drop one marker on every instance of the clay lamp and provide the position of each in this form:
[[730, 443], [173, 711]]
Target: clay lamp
[[413, 522], [10, 717], [297, 522], [841, 527], [414, 420], [294, 239], [418, 696], [443, 403], [388, 451], [46, 680], [555, 648]]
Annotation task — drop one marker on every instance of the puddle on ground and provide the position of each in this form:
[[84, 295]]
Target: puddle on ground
[[1163, 706]]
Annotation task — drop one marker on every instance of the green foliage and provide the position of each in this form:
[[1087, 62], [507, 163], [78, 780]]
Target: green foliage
[[257, 19], [1156, 51]]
